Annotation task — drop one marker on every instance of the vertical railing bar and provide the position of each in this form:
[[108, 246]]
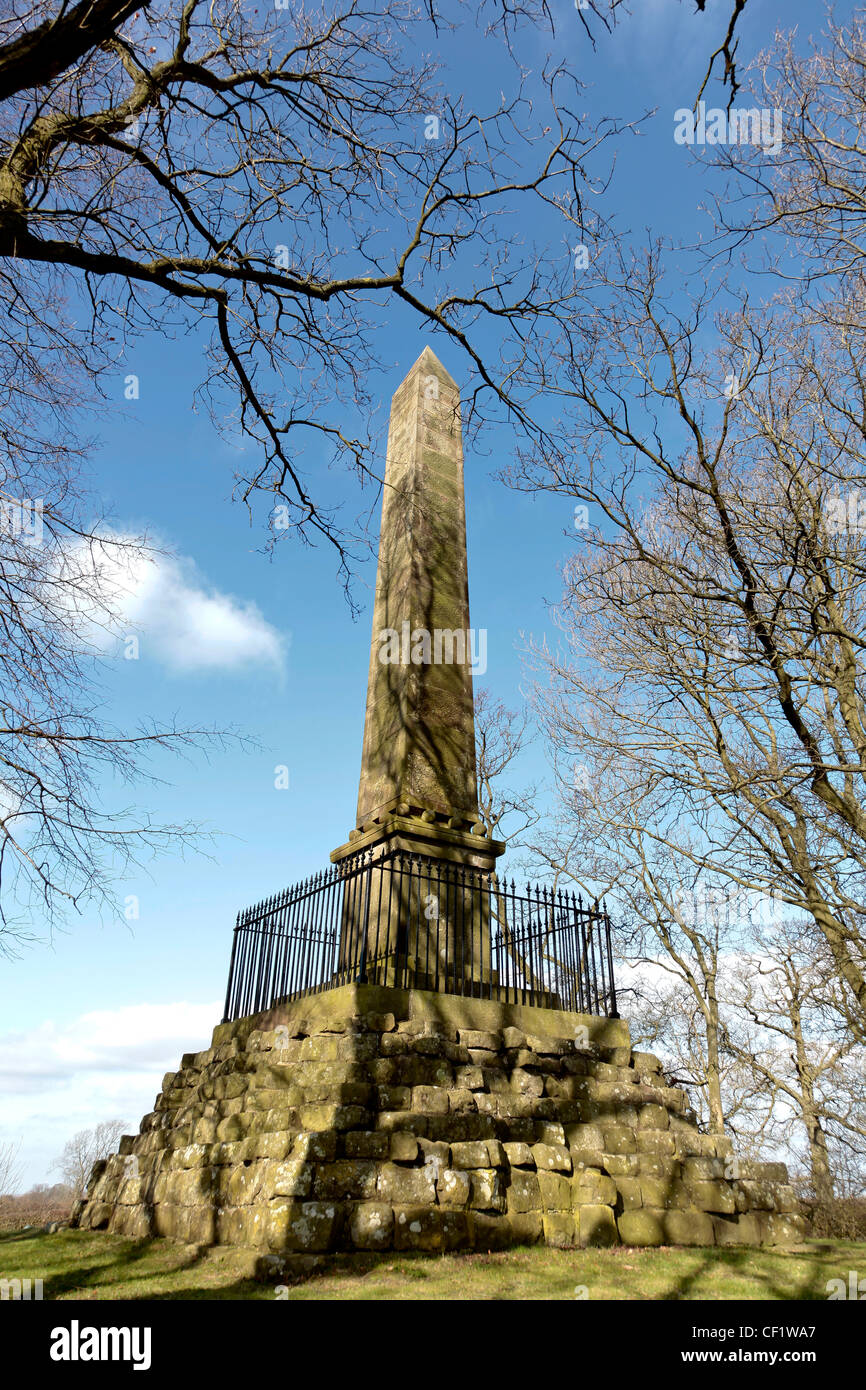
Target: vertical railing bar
[[614, 1011], [544, 945]]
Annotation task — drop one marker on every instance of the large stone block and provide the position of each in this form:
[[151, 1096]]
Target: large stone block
[[659, 1166], [548, 1131], [560, 1230], [371, 1226], [619, 1139], [334, 1117], [766, 1172], [713, 1196], [651, 1141], [366, 1143], [743, 1230], [756, 1196], [689, 1228], [461, 1101], [703, 1169], [524, 1193], [404, 1148], [548, 1046], [472, 1037], [596, 1226], [689, 1143], [628, 1193], [430, 1100], [430, 1228], [244, 1185], [470, 1154], [96, 1215], [488, 1231], [204, 1131], [519, 1155], [652, 1117], [781, 1229], [407, 1186], [594, 1188], [460, 1128], [527, 1227], [434, 1152], [526, 1083], [315, 1148], [346, 1178], [453, 1188], [645, 1062], [552, 1158], [555, 1191], [407, 1120], [589, 1158], [304, 1226], [233, 1127], [487, 1190], [665, 1192], [621, 1165], [320, 1048], [469, 1079], [642, 1227]]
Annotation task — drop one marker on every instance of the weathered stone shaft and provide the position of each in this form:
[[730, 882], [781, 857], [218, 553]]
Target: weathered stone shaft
[[419, 736]]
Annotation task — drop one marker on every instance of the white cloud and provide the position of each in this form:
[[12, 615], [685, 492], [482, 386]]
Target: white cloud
[[180, 620], [103, 1065]]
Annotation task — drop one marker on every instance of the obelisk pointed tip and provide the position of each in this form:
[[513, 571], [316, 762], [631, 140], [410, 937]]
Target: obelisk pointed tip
[[429, 362]]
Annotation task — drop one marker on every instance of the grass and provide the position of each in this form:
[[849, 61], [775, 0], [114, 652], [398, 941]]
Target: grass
[[92, 1265]]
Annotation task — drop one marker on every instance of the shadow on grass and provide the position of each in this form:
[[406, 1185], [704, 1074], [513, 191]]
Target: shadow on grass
[[85, 1271], [763, 1269], [91, 1265]]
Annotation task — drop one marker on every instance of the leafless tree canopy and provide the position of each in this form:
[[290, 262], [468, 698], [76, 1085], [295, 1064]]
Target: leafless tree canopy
[[717, 603], [267, 175], [10, 1169], [812, 193], [500, 736], [272, 176], [84, 1149]]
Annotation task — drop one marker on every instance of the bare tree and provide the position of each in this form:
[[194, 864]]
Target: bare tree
[[716, 626], [10, 1169], [64, 842], [280, 178], [668, 1018], [812, 194], [500, 736], [673, 919], [84, 1149], [788, 1029]]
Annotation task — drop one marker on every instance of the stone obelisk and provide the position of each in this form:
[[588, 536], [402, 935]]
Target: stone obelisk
[[417, 791]]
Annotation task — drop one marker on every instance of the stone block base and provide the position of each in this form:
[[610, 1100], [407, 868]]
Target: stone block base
[[369, 1118]]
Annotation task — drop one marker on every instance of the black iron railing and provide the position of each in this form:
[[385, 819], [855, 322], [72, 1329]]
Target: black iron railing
[[412, 921]]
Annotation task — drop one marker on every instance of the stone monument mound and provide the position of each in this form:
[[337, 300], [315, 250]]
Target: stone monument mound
[[414, 1054]]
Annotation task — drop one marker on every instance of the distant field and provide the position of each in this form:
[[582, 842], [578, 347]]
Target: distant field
[[91, 1265]]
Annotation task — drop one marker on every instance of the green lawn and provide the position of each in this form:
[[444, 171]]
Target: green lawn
[[91, 1265]]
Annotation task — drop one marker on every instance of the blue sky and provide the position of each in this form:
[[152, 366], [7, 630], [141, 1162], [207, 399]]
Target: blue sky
[[230, 637]]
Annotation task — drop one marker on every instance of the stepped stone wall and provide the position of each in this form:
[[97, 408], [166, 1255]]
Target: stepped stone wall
[[369, 1118]]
